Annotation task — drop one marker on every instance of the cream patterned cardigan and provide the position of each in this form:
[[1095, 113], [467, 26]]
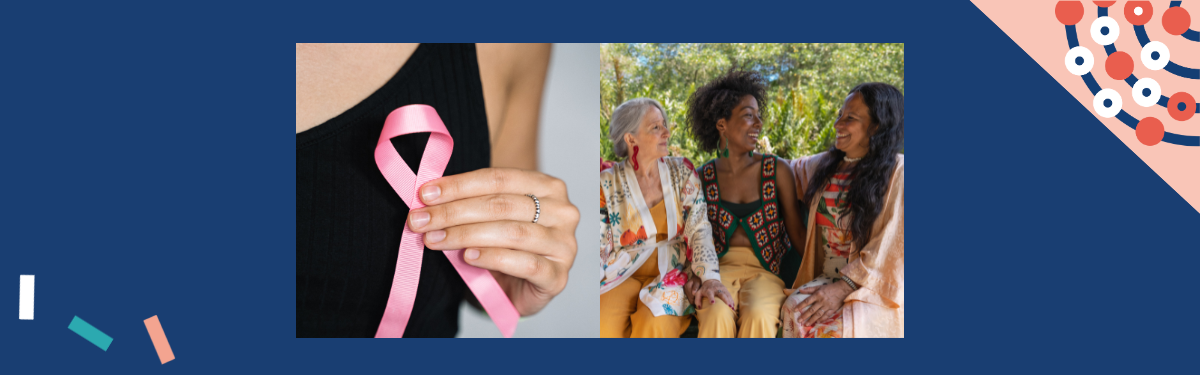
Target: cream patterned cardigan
[[626, 229]]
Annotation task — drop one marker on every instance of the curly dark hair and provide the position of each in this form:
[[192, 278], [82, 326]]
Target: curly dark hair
[[716, 100], [870, 178]]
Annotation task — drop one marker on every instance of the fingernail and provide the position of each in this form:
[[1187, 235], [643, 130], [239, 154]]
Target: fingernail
[[429, 193], [419, 219], [471, 254], [435, 236]]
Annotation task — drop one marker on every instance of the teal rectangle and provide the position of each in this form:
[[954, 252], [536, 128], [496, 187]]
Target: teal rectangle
[[85, 330]]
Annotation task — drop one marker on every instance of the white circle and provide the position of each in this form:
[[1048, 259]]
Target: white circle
[[1113, 109], [1113, 31], [1079, 52], [1164, 55], [1137, 11], [1141, 86]]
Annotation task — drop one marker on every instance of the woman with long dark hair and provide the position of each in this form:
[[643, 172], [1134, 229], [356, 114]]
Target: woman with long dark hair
[[851, 279]]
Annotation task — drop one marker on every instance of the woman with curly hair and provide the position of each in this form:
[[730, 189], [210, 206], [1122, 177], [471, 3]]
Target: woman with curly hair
[[653, 235], [751, 206], [851, 278]]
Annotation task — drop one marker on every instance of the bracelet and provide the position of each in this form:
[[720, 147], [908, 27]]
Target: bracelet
[[853, 286]]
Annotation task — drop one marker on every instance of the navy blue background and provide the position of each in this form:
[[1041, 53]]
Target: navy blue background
[[148, 169]]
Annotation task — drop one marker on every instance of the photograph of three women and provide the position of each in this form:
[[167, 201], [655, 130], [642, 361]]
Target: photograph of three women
[[752, 191], [746, 190]]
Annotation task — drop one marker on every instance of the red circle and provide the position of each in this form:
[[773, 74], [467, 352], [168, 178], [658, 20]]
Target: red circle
[[1118, 65], [1189, 106], [1176, 20], [1104, 4], [1068, 12], [1149, 131], [1138, 20]]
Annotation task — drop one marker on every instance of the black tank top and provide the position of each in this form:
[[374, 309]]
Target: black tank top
[[349, 220]]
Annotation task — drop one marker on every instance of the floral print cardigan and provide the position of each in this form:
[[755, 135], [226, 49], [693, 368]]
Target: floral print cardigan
[[626, 228]]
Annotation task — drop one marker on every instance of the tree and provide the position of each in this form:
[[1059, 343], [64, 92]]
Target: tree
[[806, 86]]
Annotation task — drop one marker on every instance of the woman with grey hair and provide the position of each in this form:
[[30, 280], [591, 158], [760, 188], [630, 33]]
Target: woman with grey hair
[[653, 230]]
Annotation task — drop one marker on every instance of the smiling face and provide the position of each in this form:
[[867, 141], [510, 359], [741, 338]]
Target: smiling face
[[853, 127], [743, 126], [651, 137]]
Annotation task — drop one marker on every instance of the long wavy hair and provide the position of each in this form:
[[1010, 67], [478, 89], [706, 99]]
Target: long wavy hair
[[870, 178]]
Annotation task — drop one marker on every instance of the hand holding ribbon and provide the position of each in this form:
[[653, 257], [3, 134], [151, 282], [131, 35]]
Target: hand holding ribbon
[[421, 119], [488, 213]]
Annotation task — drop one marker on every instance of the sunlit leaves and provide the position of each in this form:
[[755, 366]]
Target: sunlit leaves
[[806, 85]]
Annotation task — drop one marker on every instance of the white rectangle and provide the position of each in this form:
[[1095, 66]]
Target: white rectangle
[[26, 297]]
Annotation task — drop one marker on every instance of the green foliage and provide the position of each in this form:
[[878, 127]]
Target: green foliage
[[806, 86]]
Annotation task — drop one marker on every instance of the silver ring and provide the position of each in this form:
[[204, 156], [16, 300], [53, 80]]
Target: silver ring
[[537, 208]]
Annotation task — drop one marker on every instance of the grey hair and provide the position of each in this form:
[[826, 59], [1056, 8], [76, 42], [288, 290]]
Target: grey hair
[[626, 119]]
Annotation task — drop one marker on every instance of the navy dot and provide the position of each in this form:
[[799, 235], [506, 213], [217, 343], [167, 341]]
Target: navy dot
[[1104, 30], [1146, 92], [1079, 60], [1107, 103], [1182, 106], [1154, 55]]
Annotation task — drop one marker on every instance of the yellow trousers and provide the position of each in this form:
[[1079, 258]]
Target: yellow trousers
[[623, 315], [757, 293]]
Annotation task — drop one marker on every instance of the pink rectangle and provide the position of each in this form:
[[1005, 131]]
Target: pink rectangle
[[160, 340]]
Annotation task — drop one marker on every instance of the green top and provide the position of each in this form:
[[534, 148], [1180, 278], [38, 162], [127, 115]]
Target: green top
[[764, 225]]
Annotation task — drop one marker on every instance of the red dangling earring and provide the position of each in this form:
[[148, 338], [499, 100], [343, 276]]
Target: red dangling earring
[[634, 158]]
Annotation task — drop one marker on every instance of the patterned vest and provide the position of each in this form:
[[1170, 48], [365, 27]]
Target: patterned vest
[[764, 227]]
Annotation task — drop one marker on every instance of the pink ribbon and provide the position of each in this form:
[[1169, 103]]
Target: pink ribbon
[[418, 118]]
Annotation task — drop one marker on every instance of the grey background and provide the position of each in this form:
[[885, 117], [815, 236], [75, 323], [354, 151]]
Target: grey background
[[568, 148]]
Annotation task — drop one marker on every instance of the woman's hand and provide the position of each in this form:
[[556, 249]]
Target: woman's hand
[[823, 302], [691, 288], [487, 213], [712, 289]]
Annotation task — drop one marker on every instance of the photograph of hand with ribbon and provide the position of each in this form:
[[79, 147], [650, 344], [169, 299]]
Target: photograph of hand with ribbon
[[421, 200], [758, 188]]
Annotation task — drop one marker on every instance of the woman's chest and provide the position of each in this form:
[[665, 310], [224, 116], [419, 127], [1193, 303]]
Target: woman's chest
[[739, 187], [652, 195]]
